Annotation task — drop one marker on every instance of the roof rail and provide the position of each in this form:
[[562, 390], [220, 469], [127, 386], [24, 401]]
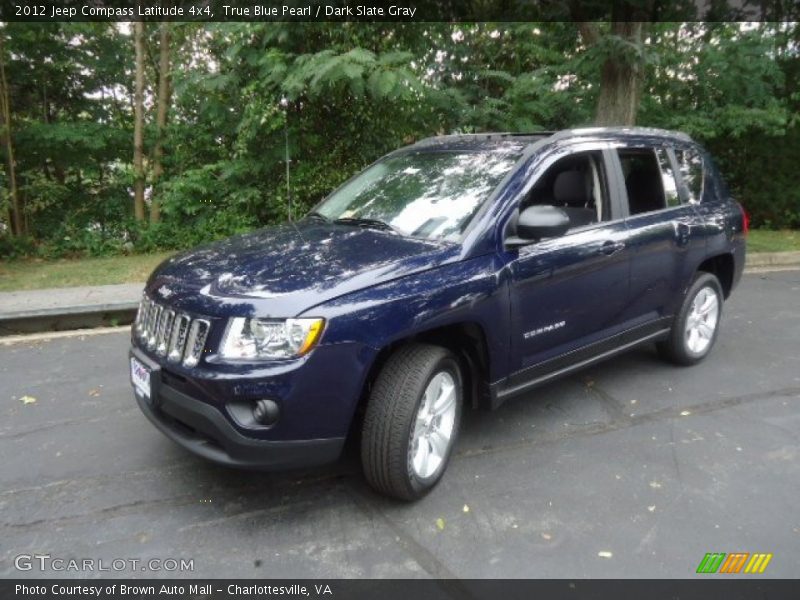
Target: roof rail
[[623, 130], [494, 135], [556, 135]]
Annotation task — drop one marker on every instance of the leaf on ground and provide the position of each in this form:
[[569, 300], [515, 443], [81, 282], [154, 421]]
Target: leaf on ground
[[94, 393], [440, 524], [27, 399]]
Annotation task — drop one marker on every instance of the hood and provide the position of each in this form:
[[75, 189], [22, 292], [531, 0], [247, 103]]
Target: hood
[[282, 271]]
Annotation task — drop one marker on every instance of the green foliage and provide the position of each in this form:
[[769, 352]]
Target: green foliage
[[761, 172], [346, 93], [16, 247]]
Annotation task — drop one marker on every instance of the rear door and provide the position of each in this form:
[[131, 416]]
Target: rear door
[[664, 232]]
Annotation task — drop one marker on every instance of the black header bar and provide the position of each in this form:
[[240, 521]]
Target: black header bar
[[398, 10]]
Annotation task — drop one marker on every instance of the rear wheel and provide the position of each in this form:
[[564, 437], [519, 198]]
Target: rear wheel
[[696, 327], [412, 420]]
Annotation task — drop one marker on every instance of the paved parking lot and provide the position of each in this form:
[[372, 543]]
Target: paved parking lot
[[633, 468]]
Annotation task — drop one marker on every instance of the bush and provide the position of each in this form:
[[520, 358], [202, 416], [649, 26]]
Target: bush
[[16, 247], [760, 171]]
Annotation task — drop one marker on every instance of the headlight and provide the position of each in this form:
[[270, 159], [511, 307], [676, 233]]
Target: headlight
[[254, 339]]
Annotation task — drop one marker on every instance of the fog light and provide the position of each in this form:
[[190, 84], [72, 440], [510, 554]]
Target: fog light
[[266, 412]]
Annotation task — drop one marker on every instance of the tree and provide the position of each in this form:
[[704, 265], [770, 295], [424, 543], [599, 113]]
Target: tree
[[14, 213], [213, 151], [621, 77], [138, 125], [622, 70], [164, 96], [619, 46]]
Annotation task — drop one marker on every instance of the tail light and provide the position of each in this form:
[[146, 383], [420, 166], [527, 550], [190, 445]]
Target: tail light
[[745, 220]]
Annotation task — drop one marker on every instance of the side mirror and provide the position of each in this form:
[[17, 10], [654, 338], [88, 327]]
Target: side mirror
[[537, 222]]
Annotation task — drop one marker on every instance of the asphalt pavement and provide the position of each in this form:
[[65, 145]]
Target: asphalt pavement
[[632, 468]]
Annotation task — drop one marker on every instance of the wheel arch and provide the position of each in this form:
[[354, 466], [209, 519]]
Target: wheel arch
[[722, 266], [466, 340]]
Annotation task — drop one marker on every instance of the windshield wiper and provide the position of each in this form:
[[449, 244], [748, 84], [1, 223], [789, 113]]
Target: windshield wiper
[[368, 223], [318, 216]]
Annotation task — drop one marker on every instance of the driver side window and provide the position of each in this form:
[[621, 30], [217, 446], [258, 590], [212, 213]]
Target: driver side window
[[577, 185]]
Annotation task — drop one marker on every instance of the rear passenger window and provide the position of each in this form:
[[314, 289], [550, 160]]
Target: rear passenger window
[[690, 164], [643, 180]]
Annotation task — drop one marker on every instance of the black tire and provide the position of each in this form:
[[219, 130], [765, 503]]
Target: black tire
[[391, 414], [676, 348]]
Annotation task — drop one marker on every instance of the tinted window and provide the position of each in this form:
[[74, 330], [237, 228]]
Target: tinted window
[[643, 180], [690, 164], [577, 185], [668, 180], [425, 194]]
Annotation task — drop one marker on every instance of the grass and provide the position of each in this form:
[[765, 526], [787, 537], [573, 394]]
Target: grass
[[764, 240], [37, 274]]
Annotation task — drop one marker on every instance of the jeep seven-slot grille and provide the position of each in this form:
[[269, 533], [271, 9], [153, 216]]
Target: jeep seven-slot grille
[[171, 334]]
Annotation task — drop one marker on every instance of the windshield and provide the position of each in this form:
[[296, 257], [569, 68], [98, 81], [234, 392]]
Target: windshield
[[431, 195]]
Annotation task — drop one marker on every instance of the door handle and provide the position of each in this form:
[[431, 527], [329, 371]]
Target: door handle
[[682, 232], [610, 247]]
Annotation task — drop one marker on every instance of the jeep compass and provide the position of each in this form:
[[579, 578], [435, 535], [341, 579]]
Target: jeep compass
[[451, 274]]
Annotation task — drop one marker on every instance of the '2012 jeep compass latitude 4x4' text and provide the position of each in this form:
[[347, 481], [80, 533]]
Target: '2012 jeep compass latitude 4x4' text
[[455, 272]]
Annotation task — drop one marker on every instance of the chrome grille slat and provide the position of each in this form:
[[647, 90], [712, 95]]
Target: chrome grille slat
[[196, 342], [151, 313], [171, 334], [137, 324], [148, 306], [164, 332], [177, 341], [141, 316], [155, 320]]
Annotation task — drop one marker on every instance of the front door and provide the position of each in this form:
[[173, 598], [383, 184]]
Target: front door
[[570, 291]]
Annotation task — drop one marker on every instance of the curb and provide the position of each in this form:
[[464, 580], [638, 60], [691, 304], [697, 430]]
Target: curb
[[87, 309], [62, 309], [772, 259], [67, 318]]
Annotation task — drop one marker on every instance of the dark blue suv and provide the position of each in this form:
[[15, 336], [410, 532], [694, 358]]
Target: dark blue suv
[[455, 272]]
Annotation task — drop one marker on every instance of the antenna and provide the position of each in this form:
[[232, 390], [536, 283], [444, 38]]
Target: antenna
[[285, 105]]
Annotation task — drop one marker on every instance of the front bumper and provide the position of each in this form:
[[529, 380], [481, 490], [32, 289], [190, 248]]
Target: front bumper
[[204, 430]]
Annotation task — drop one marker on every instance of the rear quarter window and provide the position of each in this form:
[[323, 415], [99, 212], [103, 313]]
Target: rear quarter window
[[668, 179], [690, 164]]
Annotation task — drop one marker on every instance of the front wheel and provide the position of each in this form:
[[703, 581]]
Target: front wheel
[[696, 327], [412, 420]]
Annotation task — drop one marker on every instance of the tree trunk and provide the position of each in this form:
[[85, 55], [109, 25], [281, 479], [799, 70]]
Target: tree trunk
[[621, 79], [164, 93], [14, 213], [622, 72], [138, 124]]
